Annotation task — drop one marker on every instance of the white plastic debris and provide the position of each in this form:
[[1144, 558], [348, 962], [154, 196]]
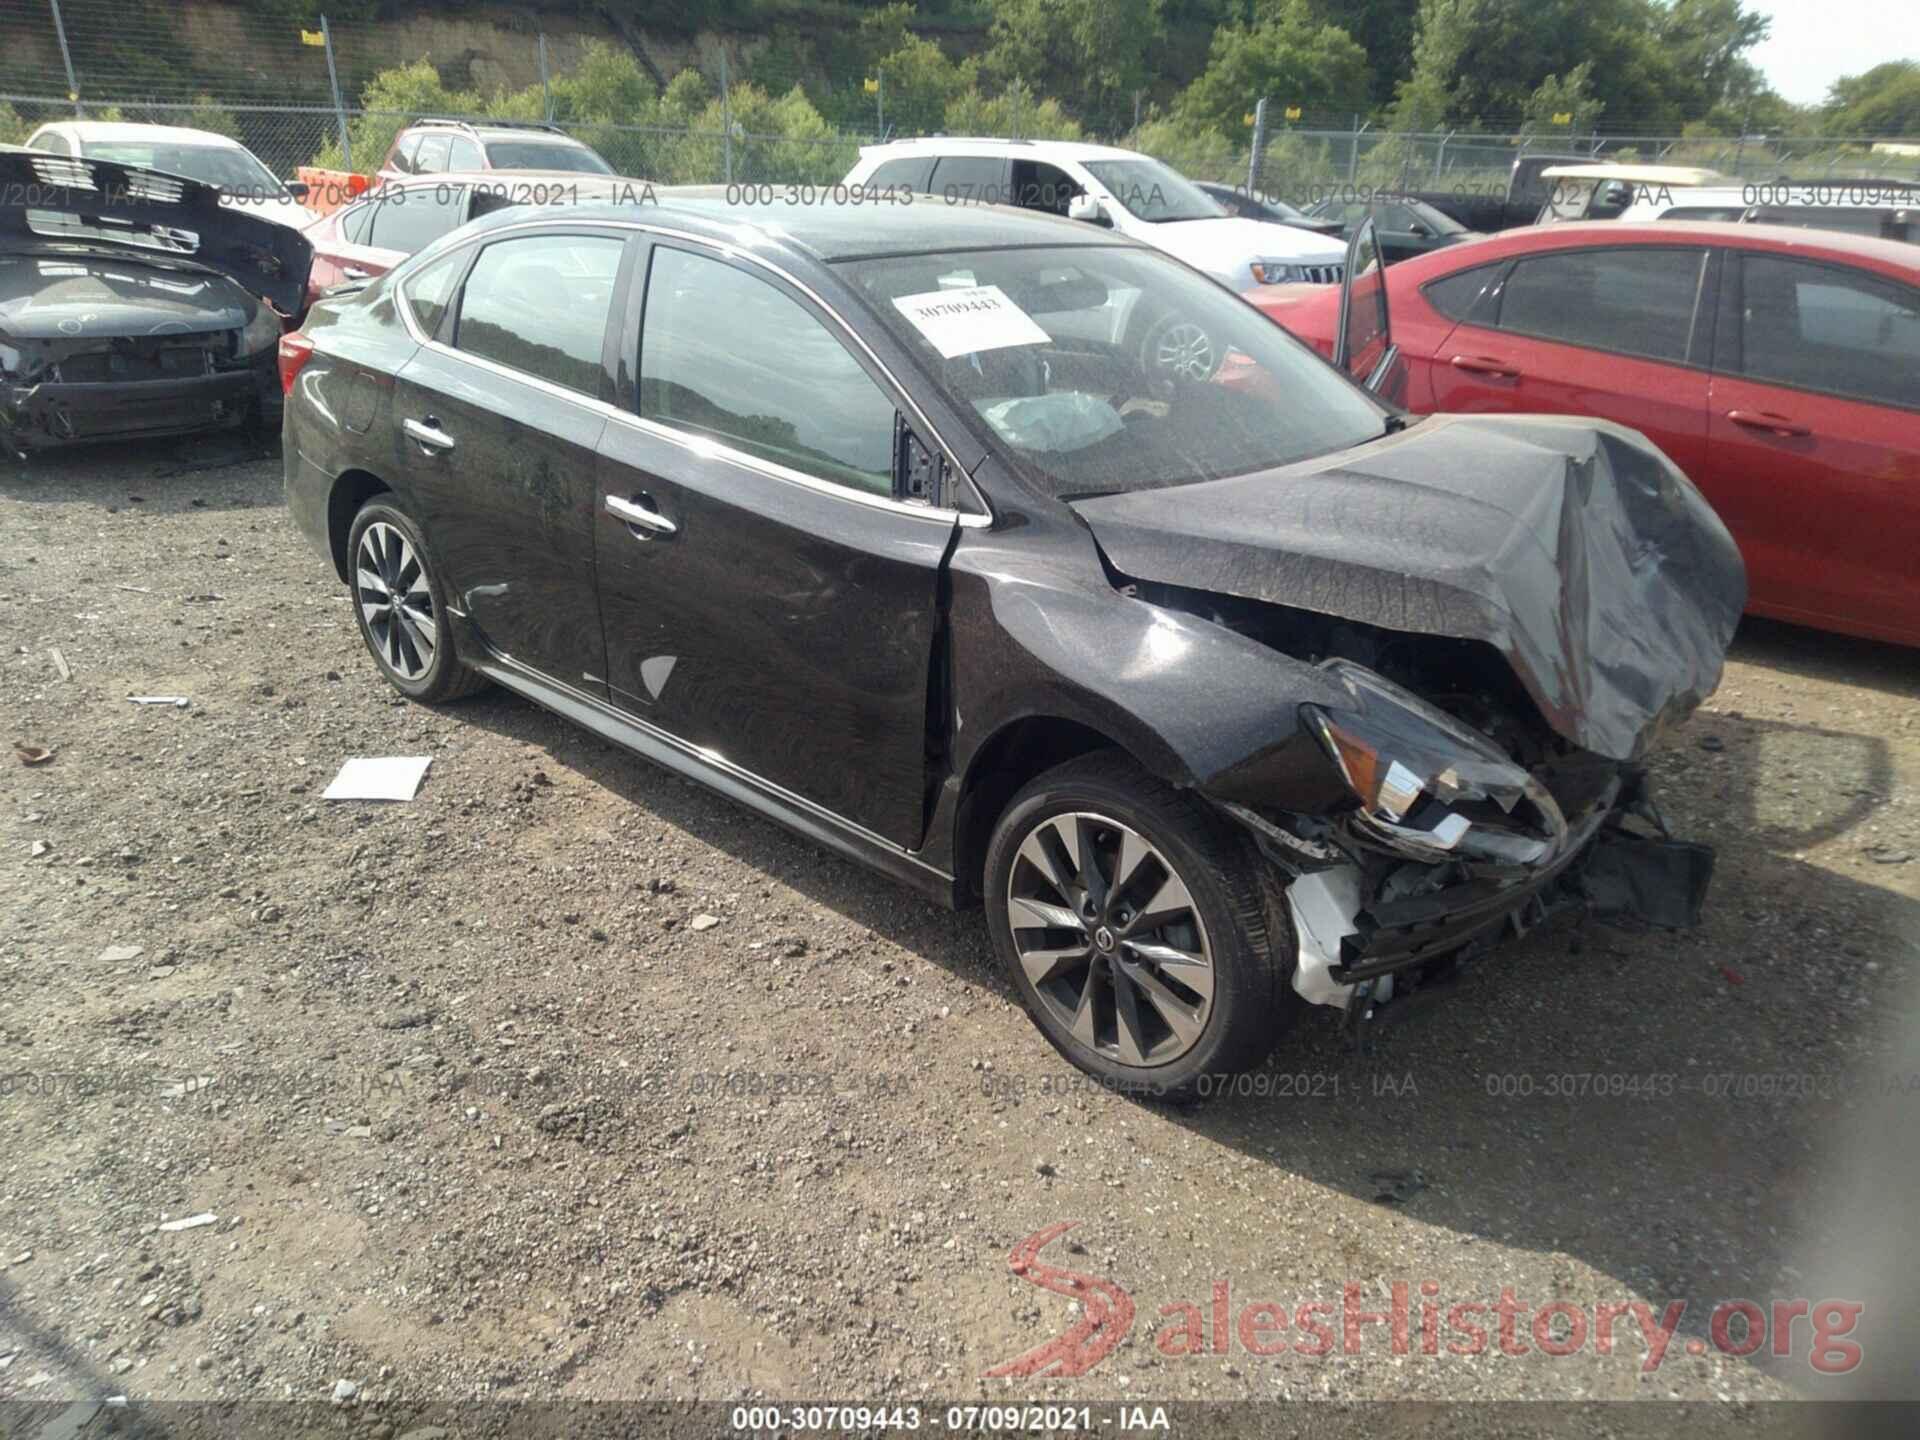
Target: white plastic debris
[[190, 1222], [1324, 904], [179, 702], [390, 777], [120, 954]]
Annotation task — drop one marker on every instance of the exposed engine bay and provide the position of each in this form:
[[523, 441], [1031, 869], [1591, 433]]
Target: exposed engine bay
[[1469, 820]]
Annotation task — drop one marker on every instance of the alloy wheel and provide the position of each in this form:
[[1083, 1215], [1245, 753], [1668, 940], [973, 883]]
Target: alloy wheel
[[390, 585], [1183, 351], [1111, 939]]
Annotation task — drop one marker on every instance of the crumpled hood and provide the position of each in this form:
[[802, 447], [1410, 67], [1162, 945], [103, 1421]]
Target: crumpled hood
[[1228, 244], [1573, 546], [113, 209], [56, 296]]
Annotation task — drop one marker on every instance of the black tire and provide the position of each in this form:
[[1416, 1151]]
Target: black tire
[[1246, 930], [442, 677]]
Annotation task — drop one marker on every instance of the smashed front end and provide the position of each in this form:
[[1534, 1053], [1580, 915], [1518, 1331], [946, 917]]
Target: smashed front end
[[1512, 612], [1447, 844]]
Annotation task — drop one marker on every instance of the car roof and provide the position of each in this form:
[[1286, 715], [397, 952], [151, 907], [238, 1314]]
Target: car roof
[[164, 134], [1637, 174], [833, 232], [504, 179], [1890, 255], [483, 130], [987, 145]]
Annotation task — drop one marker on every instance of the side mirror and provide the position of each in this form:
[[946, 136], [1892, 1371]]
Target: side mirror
[[1085, 207], [298, 189], [1609, 200], [1418, 231]]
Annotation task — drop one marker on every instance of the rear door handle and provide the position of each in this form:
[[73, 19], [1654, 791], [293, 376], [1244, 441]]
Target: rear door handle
[[1481, 365], [645, 516], [1772, 424], [427, 433]]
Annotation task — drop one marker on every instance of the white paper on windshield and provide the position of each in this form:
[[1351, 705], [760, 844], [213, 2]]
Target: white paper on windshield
[[961, 322]]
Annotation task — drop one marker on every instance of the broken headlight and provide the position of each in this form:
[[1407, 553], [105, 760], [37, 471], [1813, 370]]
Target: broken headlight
[[1430, 787]]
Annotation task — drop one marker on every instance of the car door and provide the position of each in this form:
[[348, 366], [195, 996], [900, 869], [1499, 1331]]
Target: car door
[[766, 598], [1613, 332], [1363, 343], [1814, 432], [342, 248], [499, 421]]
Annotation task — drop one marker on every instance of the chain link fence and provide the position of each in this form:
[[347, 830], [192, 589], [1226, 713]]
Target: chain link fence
[[298, 90]]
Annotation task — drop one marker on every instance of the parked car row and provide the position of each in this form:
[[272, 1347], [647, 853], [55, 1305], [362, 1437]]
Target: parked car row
[[1281, 687], [1779, 367]]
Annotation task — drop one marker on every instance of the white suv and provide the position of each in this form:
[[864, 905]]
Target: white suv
[[1122, 189]]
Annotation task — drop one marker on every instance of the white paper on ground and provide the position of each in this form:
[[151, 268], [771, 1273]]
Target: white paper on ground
[[389, 777], [960, 322]]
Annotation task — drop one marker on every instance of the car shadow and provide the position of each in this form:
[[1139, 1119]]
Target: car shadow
[[229, 470], [1653, 1105], [1821, 655]]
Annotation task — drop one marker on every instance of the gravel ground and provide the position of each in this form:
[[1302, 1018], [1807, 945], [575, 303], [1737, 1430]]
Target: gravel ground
[[571, 1079]]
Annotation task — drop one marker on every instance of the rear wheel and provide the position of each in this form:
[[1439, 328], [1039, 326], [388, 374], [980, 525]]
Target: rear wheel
[[400, 607], [1134, 926]]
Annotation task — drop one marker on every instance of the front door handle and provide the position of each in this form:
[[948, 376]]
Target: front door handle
[[1772, 424], [644, 516], [1482, 365], [428, 433], [354, 272]]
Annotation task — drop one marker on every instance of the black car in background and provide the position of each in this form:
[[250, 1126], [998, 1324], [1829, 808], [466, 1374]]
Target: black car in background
[[1406, 226], [132, 303], [1226, 692], [1238, 200]]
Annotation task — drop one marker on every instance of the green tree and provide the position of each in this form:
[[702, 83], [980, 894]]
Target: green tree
[[1093, 54], [1016, 111], [13, 129], [209, 114], [1290, 56], [1883, 102], [1570, 95]]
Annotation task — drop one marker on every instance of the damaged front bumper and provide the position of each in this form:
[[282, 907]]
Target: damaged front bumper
[[1454, 848], [52, 415]]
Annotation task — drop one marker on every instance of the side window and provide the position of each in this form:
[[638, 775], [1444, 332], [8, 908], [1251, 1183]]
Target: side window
[[914, 174], [357, 222], [465, 155], [726, 354], [404, 153], [1454, 295], [429, 290], [431, 158], [1818, 327], [411, 219], [1636, 301], [540, 305], [1039, 186], [979, 178], [54, 143]]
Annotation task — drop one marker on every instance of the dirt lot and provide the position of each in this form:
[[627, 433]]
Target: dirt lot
[[487, 1104]]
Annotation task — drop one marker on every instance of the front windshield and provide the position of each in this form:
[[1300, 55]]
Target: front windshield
[[1101, 369], [1152, 192], [544, 155], [231, 169]]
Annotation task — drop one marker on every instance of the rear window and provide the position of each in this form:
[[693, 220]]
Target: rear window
[[1454, 295], [544, 155], [1637, 301], [913, 174]]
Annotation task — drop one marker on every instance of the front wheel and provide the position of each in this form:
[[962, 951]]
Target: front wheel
[[1132, 922]]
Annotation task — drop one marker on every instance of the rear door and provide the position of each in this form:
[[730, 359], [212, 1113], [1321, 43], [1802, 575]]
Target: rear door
[[1363, 338], [499, 420], [1814, 432], [1619, 332], [766, 597]]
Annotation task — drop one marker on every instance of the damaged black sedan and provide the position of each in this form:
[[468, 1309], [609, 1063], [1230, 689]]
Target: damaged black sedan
[[132, 304], [1028, 566]]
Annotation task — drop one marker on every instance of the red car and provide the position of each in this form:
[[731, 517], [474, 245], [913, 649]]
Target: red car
[[1779, 368], [384, 226]]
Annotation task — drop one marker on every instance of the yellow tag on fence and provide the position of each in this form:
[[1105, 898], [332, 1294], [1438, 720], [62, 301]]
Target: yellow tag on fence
[[313, 37]]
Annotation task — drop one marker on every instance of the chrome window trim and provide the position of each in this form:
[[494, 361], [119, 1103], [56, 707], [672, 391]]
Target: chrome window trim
[[970, 519]]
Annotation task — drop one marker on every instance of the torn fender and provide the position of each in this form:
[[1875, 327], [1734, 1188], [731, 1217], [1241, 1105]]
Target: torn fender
[[1574, 547]]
